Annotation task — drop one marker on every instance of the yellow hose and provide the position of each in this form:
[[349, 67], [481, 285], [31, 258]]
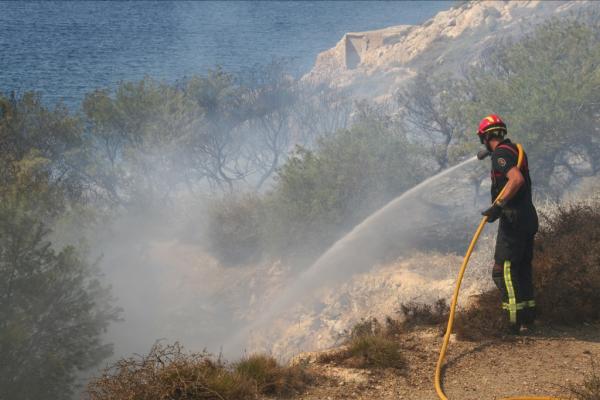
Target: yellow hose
[[440, 363]]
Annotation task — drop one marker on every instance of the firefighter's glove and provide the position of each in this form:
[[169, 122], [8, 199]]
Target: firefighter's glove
[[493, 213]]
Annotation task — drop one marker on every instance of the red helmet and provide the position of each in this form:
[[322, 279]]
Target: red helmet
[[490, 123]]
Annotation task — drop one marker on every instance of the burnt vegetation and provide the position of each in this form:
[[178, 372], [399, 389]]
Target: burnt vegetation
[[416, 314], [168, 372]]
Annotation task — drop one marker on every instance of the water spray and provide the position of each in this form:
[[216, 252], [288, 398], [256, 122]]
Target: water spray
[[353, 252]]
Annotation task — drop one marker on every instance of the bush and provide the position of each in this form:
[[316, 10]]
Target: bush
[[320, 194], [369, 345], [374, 351], [273, 379], [423, 314], [483, 319], [235, 226], [567, 264], [167, 372], [566, 269], [367, 327]]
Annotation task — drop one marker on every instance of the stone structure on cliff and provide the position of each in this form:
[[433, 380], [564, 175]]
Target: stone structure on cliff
[[373, 64]]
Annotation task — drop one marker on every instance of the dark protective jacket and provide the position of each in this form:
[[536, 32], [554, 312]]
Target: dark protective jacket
[[512, 272], [519, 216]]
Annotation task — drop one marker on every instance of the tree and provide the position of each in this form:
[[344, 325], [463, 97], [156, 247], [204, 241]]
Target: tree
[[320, 111], [53, 307], [424, 106], [216, 145], [138, 140], [545, 87], [42, 150], [53, 310], [324, 192], [273, 97]]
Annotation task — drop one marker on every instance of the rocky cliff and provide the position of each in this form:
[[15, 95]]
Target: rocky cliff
[[374, 64]]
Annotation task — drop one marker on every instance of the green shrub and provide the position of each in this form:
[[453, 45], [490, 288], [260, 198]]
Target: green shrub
[[320, 194], [54, 309]]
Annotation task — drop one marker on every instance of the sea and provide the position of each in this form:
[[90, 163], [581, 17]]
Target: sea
[[67, 49]]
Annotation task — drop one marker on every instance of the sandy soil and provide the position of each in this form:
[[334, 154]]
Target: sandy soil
[[544, 363]]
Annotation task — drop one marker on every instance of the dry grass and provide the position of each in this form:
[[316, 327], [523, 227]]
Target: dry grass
[[422, 314], [370, 345], [168, 373], [273, 379], [374, 352]]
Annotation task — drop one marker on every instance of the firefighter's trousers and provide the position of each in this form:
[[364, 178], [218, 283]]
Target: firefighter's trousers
[[512, 274]]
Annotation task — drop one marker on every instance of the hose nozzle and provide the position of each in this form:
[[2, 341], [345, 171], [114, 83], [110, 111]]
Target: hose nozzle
[[481, 154]]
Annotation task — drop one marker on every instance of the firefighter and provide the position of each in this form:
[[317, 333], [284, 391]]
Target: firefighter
[[518, 224]]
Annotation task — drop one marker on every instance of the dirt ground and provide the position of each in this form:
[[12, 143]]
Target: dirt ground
[[544, 363]]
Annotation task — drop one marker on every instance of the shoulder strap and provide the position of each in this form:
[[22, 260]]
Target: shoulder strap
[[519, 153], [506, 146]]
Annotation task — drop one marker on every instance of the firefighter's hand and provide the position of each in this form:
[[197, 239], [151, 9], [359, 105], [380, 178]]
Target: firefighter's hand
[[493, 213]]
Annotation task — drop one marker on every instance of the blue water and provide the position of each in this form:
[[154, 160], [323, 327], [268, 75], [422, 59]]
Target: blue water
[[65, 49]]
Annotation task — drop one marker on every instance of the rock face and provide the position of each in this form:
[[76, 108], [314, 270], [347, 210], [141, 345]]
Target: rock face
[[373, 64]]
